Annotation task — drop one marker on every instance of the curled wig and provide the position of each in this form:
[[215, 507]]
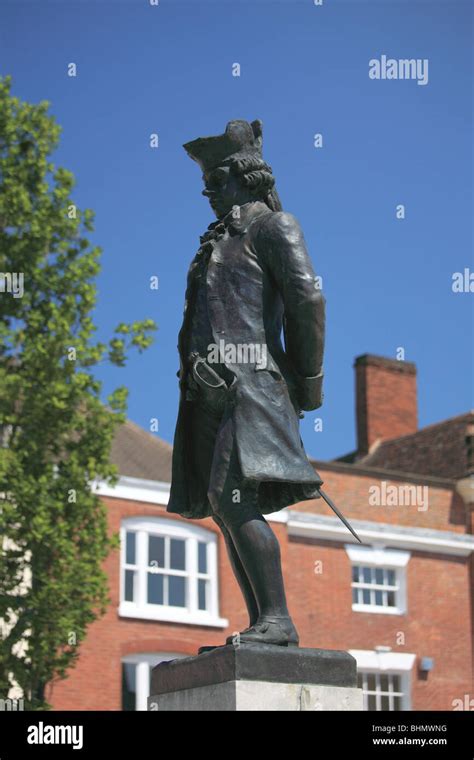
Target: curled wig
[[257, 176]]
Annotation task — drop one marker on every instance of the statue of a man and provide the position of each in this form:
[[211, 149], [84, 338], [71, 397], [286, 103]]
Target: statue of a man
[[237, 452]]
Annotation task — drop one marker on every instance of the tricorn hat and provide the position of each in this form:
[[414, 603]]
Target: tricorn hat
[[239, 139]]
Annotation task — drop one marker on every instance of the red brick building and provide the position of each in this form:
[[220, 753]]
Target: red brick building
[[402, 603]]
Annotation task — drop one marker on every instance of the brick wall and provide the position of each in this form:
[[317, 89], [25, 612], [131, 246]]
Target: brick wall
[[351, 493], [437, 623]]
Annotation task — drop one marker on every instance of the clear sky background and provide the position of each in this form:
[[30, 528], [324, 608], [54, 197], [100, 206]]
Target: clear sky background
[[144, 69]]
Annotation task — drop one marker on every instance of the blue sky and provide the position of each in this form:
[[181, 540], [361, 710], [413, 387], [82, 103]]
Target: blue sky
[[304, 70]]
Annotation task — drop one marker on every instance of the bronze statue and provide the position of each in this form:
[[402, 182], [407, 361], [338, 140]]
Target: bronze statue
[[238, 454]]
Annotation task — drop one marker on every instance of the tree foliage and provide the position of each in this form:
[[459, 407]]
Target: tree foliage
[[56, 433]]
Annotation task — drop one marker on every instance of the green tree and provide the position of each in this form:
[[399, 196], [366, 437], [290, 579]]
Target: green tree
[[56, 433]]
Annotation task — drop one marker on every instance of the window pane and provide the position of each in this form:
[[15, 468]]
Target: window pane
[[366, 596], [129, 585], [379, 575], [367, 574], [202, 557], [384, 684], [391, 598], [355, 596], [130, 548], [155, 588], [379, 598], [202, 588], [156, 551], [177, 554], [391, 577], [176, 590], [128, 686]]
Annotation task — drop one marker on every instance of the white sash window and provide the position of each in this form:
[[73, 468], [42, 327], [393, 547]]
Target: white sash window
[[169, 572]]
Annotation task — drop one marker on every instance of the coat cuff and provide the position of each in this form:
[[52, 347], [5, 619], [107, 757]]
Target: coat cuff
[[310, 392]]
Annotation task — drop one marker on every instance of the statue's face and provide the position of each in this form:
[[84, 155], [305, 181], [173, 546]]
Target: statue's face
[[224, 191]]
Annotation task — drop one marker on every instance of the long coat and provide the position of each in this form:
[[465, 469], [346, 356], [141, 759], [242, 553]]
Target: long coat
[[259, 281]]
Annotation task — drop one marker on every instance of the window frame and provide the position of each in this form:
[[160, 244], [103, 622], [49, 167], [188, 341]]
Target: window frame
[[143, 527], [144, 663], [378, 557], [387, 662], [374, 587], [403, 694]]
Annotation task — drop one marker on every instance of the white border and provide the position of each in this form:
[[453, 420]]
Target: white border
[[323, 527], [135, 489], [331, 529], [381, 661]]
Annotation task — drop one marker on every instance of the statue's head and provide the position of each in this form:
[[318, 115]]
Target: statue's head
[[234, 171]]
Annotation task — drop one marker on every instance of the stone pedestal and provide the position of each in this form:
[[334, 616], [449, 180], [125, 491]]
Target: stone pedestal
[[257, 677]]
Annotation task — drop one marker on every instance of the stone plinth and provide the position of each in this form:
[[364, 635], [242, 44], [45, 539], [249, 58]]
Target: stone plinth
[[257, 677]]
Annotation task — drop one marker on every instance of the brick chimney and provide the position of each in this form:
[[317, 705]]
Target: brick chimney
[[385, 399]]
